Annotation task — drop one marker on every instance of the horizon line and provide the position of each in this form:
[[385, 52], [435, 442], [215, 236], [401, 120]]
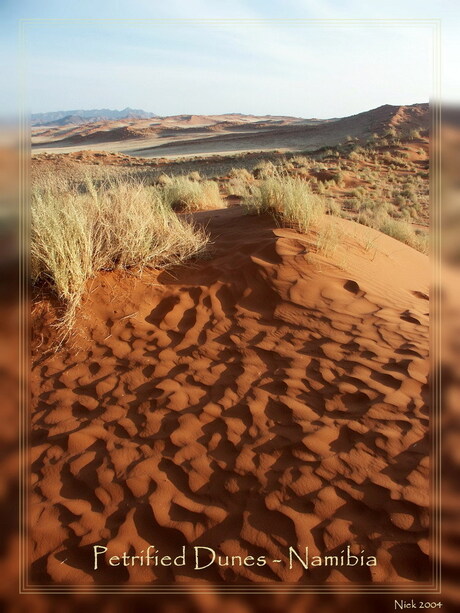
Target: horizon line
[[203, 114]]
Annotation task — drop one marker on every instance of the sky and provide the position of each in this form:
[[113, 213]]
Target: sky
[[89, 54]]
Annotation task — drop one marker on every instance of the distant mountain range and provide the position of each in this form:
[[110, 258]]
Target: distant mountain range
[[64, 118]]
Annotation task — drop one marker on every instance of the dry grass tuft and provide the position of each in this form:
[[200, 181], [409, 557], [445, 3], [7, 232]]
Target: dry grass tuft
[[194, 176], [287, 199], [264, 170], [239, 182], [185, 195], [78, 230], [241, 173], [163, 179], [404, 232]]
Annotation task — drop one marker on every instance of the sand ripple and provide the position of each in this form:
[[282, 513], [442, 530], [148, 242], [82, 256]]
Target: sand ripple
[[262, 398]]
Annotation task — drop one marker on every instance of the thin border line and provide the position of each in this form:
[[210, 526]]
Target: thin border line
[[435, 173]]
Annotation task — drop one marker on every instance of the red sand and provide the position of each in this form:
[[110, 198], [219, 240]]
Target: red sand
[[261, 398]]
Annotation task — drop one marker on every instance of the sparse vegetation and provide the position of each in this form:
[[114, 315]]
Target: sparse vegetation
[[239, 182], [264, 169], [379, 182], [328, 239], [237, 187], [300, 161], [78, 230], [242, 174], [163, 180], [186, 195], [333, 207], [400, 230], [288, 199]]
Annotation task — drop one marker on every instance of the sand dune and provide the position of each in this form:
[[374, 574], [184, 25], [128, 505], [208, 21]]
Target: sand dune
[[266, 396], [207, 134]]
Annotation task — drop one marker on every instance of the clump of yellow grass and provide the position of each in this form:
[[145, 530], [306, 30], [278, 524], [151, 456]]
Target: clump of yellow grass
[[189, 194], [288, 199], [79, 229]]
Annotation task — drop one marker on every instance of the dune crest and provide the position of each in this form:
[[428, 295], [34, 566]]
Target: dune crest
[[193, 135]]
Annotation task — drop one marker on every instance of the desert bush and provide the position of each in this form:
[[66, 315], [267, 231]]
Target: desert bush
[[120, 224], [320, 187], [332, 207], [377, 206], [356, 155], [423, 241], [287, 199], [391, 133], [163, 179], [398, 198], [241, 173], [339, 178], [367, 219], [300, 161], [184, 195], [401, 161], [286, 165], [409, 193], [405, 213], [353, 204], [400, 230], [387, 157], [414, 134], [238, 187], [264, 169], [358, 192]]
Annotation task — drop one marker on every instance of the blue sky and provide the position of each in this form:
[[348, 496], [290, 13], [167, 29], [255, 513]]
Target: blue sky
[[261, 68]]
